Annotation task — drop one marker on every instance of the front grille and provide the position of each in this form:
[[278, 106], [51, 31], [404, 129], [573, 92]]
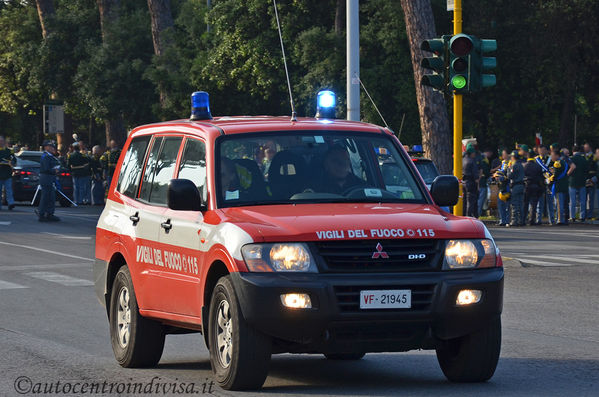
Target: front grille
[[348, 297], [359, 256]]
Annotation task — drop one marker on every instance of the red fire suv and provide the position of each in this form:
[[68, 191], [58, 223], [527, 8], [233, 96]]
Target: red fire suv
[[271, 235]]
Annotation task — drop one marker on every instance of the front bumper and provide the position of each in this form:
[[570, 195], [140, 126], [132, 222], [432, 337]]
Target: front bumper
[[335, 323]]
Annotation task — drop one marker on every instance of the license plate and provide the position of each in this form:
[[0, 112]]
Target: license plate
[[386, 299]]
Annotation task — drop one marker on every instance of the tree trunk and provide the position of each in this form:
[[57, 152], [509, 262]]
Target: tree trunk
[[115, 129], [339, 17], [45, 10], [162, 20], [434, 121], [109, 14]]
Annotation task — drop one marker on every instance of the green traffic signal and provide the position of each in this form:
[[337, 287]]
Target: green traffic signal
[[458, 82], [460, 51]]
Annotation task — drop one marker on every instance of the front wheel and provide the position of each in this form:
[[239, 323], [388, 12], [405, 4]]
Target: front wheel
[[137, 342], [471, 358], [239, 354]]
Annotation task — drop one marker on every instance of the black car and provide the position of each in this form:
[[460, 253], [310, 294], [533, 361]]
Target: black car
[[25, 178]]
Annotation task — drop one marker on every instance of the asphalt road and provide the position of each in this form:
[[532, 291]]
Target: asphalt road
[[53, 329]]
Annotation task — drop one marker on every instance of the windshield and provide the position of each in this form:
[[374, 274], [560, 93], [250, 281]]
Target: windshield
[[312, 167], [427, 170]]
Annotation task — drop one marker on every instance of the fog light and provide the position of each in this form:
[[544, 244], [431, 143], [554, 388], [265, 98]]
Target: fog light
[[468, 297], [296, 301]]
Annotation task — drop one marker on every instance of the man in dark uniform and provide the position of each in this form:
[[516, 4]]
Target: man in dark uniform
[[80, 170], [578, 176], [591, 182], [49, 166], [471, 175], [533, 188], [483, 185], [546, 200], [97, 177], [515, 175], [7, 162], [109, 160]]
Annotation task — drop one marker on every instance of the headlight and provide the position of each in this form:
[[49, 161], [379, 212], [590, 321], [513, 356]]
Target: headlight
[[283, 257], [467, 254]]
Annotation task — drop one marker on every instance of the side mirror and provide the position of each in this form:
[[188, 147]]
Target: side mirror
[[183, 195], [445, 190]]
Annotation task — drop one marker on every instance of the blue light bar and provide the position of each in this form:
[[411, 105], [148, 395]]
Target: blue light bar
[[200, 106], [326, 102]]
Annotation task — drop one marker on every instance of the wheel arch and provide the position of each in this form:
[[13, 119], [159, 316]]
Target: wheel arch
[[117, 260], [217, 270]]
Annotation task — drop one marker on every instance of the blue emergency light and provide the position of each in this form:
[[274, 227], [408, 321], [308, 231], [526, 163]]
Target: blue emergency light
[[325, 105], [200, 106]]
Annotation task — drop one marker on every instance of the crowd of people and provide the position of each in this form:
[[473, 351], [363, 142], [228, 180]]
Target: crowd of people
[[91, 171], [532, 183]]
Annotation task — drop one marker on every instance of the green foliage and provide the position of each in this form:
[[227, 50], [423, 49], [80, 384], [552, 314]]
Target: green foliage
[[547, 68]]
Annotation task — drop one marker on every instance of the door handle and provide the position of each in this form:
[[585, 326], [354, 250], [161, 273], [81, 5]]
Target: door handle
[[166, 225], [134, 218]]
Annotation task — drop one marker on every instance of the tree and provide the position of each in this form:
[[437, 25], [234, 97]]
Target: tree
[[162, 22], [45, 10], [434, 122], [109, 14]]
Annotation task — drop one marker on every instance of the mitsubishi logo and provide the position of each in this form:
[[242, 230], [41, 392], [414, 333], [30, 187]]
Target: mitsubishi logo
[[379, 252]]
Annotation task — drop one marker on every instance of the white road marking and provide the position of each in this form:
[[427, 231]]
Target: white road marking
[[543, 263], [43, 266], [7, 285], [69, 237], [60, 279], [576, 258], [46, 251], [5, 223]]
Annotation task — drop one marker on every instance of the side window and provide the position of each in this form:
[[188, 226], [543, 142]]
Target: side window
[[164, 170], [132, 166], [148, 178], [193, 164]]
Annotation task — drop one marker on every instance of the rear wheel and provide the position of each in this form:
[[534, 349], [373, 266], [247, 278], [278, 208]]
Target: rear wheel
[[345, 356], [471, 358], [137, 342], [239, 354]]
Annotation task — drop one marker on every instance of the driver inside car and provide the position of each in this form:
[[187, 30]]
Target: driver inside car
[[338, 177]]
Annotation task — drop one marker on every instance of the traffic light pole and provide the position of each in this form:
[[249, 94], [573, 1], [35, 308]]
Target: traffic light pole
[[457, 116]]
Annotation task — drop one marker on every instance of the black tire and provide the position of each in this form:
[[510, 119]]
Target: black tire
[[145, 343], [345, 356], [245, 367], [471, 358]]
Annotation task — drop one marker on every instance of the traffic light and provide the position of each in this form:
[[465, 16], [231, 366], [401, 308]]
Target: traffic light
[[437, 63], [486, 63], [467, 64], [461, 47]]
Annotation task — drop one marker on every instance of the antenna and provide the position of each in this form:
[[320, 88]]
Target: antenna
[[293, 114], [369, 97]]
